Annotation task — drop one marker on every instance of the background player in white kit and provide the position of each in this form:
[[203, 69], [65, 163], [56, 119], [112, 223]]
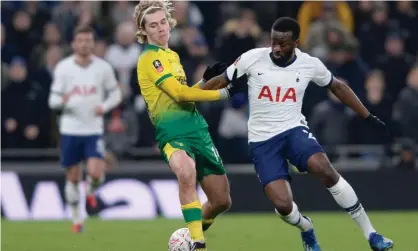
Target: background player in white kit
[[80, 83], [277, 80]]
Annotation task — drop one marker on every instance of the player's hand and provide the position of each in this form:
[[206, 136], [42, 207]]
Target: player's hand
[[237, 84], [214, 70], [378, 125], [99, 110]]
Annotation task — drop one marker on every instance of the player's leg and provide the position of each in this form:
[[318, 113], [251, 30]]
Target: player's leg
[[94, 152], [70, 154], [273, 172], [110, 160], [212, 176], [309, 155], [72, 195], [216, 188], [345, 196], [184, 168]]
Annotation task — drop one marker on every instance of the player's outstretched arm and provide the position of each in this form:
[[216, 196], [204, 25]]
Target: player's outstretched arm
[[183, 93], [348, 97]]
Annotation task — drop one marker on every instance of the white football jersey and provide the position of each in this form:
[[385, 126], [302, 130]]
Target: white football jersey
[[87, 86], [276, 93]]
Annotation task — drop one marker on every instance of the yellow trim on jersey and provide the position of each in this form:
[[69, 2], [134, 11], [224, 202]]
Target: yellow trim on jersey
[[169, 150]]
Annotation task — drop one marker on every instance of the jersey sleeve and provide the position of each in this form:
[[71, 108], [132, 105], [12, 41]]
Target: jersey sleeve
[[111, 85], [242, 64], [58, 80], [110, 82], [157, 67], [322, 76]]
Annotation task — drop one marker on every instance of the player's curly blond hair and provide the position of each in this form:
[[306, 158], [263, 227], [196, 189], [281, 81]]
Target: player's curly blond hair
[[147, 7]]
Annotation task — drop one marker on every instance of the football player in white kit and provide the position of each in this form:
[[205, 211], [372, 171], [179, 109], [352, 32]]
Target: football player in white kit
[[80, 83], [278, 132]]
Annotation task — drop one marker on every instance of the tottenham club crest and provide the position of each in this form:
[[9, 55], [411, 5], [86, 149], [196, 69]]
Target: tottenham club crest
[[158, 66]]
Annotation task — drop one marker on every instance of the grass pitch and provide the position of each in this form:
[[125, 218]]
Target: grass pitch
[[230, 232]]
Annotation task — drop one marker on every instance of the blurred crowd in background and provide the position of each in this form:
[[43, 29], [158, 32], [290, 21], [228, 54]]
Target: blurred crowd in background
[[371, 45]]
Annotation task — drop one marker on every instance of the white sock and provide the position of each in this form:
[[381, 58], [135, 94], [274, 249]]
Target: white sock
[[345, 196], [92, 184], [72, 196], [295, 218]]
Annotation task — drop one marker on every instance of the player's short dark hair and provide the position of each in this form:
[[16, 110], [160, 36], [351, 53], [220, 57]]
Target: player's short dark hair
[[286, 24], [84, 29]]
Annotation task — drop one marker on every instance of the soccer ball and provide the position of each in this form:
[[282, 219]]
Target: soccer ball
[[180, 240]]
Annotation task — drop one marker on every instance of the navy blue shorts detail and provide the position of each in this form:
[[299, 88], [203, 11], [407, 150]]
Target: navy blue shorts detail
[[75, 149], [270, 157]]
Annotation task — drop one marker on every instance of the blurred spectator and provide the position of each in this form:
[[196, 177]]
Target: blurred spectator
[[86, 17], [238, 36], [325, 11], [39, 15], [45, 73], [194, 42], [121, 131], [406, 14], [8, 51], [233, 130], [51, 37], [405, 109], [121, 12], [344, 62], [126, 48], [395, 63], [65, 15], [187, 14], [379, 105], [100, 48], [329, 121], [21, 34], [362, 13], [187, 39], [372, 33], [24, 112], [326, 36]]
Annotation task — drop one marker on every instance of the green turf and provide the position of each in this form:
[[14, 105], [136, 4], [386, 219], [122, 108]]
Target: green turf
[[249, 232]]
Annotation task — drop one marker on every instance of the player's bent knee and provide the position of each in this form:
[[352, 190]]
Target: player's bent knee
[[279, 193], [224, 204], [321, 167], [284, 207]]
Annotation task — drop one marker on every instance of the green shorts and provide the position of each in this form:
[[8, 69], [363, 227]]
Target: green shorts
[[199, 146]]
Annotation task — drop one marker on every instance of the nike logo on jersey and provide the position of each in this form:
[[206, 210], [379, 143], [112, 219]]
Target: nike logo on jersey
[[260, 73]]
